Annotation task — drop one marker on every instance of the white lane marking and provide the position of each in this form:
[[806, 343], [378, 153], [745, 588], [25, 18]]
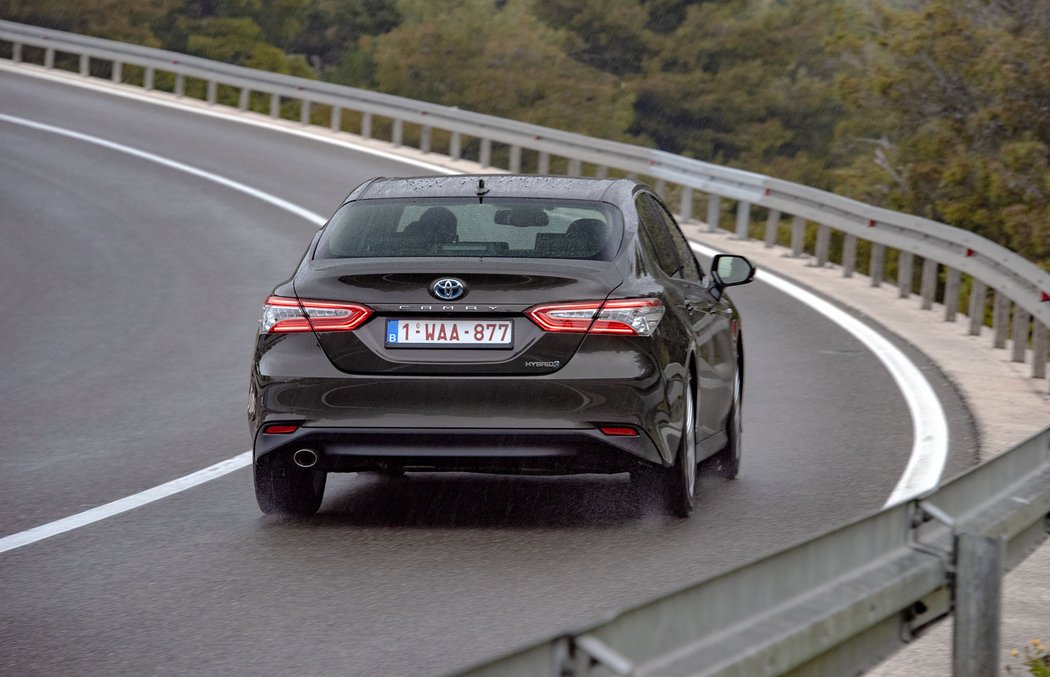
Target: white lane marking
[[929, 450], [913, 481], [221, 180], [156, 98], [125, 504]]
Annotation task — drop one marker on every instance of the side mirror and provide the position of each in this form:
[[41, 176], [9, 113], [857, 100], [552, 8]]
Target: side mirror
[[729, 270]]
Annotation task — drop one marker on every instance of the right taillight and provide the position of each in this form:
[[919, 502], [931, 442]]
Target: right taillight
[[631, 317], [283, 315]]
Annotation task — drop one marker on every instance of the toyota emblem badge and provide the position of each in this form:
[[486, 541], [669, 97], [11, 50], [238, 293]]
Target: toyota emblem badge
[[448, 289]]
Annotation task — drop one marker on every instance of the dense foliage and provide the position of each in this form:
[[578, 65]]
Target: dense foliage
[[934, 107]]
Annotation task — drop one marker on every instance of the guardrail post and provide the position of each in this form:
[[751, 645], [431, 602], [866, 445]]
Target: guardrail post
[[574, 167], [1039, 350], [661, 188], [455, 149], [304, 112], [905, 261], [180, 84], [366, 125], [849, 255], [978, 605], [242, 99], [275, 105], [515, 160], [772, 223], [485, 155], [798, 236], [213, 92], [397, 133], [49, 58], [543, 166], [976, 310], [85, 65], [602, 172], [147, 79], [1000, 319], [823, 244], [743, 219], [714, 212], [1020, 337], [928, 289], [16, 52], [335, 119], [951, 294], [424, 142], [118, 72], [878, 264], [686, 207]]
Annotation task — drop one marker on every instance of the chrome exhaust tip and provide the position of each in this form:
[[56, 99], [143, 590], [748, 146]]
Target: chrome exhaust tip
[[305, 458]]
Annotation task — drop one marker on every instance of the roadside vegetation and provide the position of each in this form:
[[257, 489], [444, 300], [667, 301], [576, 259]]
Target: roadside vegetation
[[1033, 659], [939, 108]]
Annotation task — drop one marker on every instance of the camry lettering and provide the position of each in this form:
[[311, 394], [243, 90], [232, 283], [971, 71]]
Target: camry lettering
[[449, 308]]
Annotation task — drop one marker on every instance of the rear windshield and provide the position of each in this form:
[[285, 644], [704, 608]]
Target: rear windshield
[[507, 228]]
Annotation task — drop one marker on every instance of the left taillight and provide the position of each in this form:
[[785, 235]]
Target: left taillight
[[283, 315], [631, 317]]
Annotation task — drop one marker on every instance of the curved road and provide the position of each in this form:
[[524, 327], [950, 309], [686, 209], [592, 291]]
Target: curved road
[[131, 292]]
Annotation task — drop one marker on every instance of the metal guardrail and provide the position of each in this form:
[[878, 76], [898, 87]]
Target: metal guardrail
[[838, 603], [833, 604], [1020, 290]]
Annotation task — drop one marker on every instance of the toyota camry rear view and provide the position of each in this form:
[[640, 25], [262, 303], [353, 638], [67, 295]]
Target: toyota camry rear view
[[502, 324]]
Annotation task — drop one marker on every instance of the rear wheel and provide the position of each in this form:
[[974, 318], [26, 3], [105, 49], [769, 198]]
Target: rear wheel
[[726, 463], [282, 488], [680, 489], [676, 486]]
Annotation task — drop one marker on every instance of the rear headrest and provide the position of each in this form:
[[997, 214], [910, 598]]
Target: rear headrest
[[591, 229]]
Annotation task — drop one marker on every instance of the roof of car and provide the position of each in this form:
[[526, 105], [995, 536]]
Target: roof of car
[[496, 185]]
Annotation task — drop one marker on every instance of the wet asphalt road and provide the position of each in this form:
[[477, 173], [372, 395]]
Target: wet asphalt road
[[130, 296]]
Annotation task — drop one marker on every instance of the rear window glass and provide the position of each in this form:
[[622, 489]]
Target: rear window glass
[[518, 228]]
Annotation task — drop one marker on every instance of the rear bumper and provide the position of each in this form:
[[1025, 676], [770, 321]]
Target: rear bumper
[[527, 451], [362, 421]]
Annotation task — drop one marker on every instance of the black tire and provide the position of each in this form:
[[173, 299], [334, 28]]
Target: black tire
[[282, 488], [677, 485], [681, 486], [726, 463]]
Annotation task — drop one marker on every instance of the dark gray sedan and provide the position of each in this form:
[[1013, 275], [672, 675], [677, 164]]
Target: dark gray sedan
[[504, 324]]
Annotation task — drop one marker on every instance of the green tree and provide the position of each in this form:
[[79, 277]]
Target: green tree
[[125, 20], [500, 60], [746, 83], [949, 116]]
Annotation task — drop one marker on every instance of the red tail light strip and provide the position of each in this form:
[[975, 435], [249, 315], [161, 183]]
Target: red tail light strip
[[286, 316], [631, 317]]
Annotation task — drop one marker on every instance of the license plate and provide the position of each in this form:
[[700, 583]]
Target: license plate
[[449, 333]]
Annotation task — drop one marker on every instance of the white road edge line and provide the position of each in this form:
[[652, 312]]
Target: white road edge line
[[929, 451], [930, 431], [125, 504], [198, 107]]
